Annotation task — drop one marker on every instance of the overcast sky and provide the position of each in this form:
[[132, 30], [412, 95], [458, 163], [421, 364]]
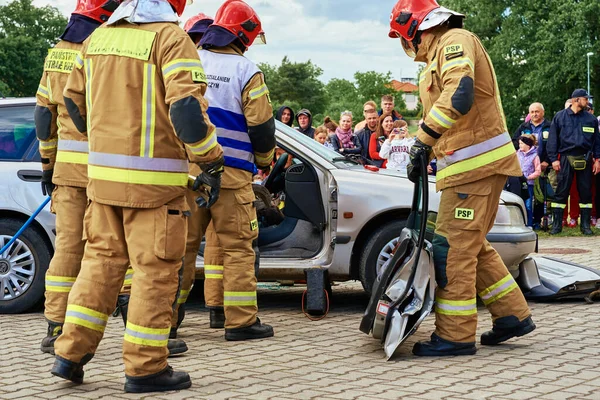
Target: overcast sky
[[340, 36]]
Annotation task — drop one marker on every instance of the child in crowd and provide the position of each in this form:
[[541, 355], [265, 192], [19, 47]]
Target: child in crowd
[[321, 134], [530, 165], [396, 147]]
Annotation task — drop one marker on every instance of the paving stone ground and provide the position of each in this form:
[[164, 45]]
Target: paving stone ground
[[331, 358]]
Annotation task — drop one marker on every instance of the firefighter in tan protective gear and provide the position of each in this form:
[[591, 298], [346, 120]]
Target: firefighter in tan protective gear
[[64, 152], [241, 110], [465, 128], [139, 145]]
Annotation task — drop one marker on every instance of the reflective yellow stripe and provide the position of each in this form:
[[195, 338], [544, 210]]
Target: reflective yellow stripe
[[50, 95], [185, 64], [264, 160], [259, 91], [213, 271], [88, 89], [60, 278], [585, 205], [137, 177], [458, 62], [42, 91], [206, 145], [239, 299], [86, 317], [477, 162], [442, 119], [70, 157], [455, 307], [558, 205], [128, 276], [59, 284], [48, 145], [183, 296], [498, 290], [148, 111], [78, 61], [141, 335]]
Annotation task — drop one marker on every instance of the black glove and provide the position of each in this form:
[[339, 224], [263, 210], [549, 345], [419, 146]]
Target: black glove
[[210, 176], [414, 168], [47, 185]]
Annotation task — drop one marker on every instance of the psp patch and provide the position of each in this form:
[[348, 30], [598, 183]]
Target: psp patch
[[254, 225], [198, 76], [453, 51], [464, 213]]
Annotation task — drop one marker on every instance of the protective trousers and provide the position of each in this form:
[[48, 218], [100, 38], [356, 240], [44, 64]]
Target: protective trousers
[[466, 264], [152, 241], [229, 258], [68, 203], [565, 179]]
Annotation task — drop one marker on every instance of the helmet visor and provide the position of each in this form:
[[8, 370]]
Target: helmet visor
[[408, 48], [260, 39]]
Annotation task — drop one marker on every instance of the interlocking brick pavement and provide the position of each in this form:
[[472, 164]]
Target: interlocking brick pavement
[[331, 358]]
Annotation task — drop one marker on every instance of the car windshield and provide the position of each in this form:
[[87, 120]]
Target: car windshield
[[323, 151], [17, 131]]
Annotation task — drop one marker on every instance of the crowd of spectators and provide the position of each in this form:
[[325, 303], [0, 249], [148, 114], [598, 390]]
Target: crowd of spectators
[[382, 139]]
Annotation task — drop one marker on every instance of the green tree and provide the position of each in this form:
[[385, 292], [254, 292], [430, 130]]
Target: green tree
[[538, 48], [26, 33], [372, 85], [296, 82]]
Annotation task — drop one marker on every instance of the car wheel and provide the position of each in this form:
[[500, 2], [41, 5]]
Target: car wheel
[[22, 267], [377, 251]]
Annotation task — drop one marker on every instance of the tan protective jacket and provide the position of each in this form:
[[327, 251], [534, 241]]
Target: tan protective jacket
[[463, 117], [139, 89], [65, 149]]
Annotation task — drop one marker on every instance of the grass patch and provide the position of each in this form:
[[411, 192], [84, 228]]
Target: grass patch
[[566, 232]]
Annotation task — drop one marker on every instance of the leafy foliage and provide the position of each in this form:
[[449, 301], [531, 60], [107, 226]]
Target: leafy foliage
[[26, 33], [538, 48]]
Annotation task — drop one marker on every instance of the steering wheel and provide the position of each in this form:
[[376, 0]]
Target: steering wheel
[[276, 172]]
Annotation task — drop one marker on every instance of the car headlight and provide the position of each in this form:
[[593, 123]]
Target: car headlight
[[509, 214]]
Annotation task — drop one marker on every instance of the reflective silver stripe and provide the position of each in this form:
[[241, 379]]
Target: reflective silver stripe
[[256, 93], [139, 163], [54, 283], [78, 61], [94, 320], [214, 271], [235, 135], [149, 78], [204, 147], [239, 298], [182, 64], [239, 154], [450, 307], [474, 150], [79, 146], [150, 336], [499, 289]]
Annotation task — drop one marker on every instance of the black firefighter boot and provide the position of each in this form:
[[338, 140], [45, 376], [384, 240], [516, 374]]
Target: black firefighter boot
[[585, 226], [254, 331], [70, 370], [180, 317], [505, 328], [175, 346], [54, 330], [163, 381], [557, 214], [438, 347], [217, 317]]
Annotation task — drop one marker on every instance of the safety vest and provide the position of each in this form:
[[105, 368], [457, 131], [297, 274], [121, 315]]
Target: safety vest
[[227, 75]]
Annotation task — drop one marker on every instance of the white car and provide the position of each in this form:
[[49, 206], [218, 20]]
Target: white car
[[24, 264]]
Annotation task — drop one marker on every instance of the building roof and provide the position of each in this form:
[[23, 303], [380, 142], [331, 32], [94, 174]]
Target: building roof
[[405, 87]]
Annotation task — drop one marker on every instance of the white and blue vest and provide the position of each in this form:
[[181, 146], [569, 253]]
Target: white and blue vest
[[227, 76]]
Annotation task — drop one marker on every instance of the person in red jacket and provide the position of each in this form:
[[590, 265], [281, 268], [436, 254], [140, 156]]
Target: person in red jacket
[[384, 128]]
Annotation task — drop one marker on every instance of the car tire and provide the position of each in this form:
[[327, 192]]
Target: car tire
[[35, 258], [372, 249]]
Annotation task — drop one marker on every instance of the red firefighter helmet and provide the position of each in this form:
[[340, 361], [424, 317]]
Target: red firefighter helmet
[[179, 5], [99, 10], [240, 19], [407, 15], [196, 18]]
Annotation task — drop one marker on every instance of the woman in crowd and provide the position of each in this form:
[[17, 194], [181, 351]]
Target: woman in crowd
[[344, 140], [286, 115], [386, 124], [396, 147]]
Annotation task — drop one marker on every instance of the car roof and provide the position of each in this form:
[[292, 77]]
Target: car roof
[[14, 101]]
